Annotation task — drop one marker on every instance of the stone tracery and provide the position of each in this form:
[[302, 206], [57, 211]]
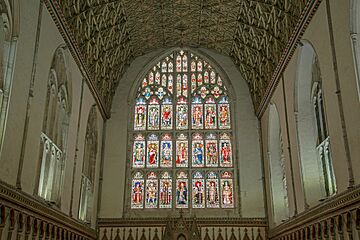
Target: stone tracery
[[111, 33]]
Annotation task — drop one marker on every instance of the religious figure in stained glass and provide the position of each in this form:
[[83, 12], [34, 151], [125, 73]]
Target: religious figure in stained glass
[[151, 191], [211, 153], [197, 116], [166, 116], [225, 151], [182, 115], [152, 152], [198, 191], [183, 96], [139, 153], [182, 152], [153, 117], [166, 152], [212, 191], [182, 191], [210, 116], [224, 116], [137, 191], [165, 191], [140, 117], [197, 151], [227, 190]]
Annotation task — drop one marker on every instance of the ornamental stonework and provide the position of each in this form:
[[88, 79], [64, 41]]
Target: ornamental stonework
[[110, 33]]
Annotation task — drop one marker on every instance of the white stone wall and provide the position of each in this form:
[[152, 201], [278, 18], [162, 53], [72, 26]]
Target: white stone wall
[[29, 61], [318, 35]]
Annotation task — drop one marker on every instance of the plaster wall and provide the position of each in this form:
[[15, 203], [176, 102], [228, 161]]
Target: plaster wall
[[246, 125]]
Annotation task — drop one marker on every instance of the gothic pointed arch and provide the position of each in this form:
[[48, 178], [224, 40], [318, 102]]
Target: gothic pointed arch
[[278, 182], [55, 128], [313, 137], [182, 151], [9, 28], [89, 165]]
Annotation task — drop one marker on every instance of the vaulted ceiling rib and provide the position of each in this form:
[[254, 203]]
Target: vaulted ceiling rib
[[111, 33]]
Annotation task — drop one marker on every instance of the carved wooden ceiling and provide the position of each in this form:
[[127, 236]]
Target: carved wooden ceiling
[[110, 33]]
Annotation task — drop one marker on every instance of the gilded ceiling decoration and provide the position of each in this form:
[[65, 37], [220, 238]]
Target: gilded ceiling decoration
[[110, 33]]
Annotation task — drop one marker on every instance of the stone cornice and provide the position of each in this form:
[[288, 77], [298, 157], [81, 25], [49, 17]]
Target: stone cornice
[[60, 22], [27, 204], [306, 16], [340, 203], [129, 222]]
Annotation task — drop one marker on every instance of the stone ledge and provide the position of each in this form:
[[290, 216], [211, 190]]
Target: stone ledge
[[29, 205], [333, 206]]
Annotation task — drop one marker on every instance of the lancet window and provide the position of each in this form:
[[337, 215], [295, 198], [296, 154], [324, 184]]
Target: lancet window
[[55, 130], [89, 165], [181, 142]]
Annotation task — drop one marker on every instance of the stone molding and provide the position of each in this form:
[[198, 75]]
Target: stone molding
[[226, 222], [305, 18], [29, 205], [337, 205], [290, 46], [59, 20]]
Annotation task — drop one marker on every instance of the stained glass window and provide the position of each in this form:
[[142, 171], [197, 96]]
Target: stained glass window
[[166, 191], [137, 194], [181, 141]]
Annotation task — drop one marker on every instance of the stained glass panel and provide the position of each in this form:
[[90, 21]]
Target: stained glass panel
[[198, 190], [212, 77], [170, 84], [151, 191], [182, 115], [138, 160], [171, 67], [178, 63], [212, 190], [225, 151], [182, 151], [153, 116], [152, 159], [184, 63], [211, 150], [227, 191], [157, 78], [151, 78], [166, 115], [193, 66], [199, 79], [197, 116], [193, 83], [182, 194], [206, 77], [185, 86], [165, 191], [178, 85], [210, 116], [163, 80], [197, 151], [166, 151], [164, 67], [140, 117], [224, 116], [199, 66], [137, 193]]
